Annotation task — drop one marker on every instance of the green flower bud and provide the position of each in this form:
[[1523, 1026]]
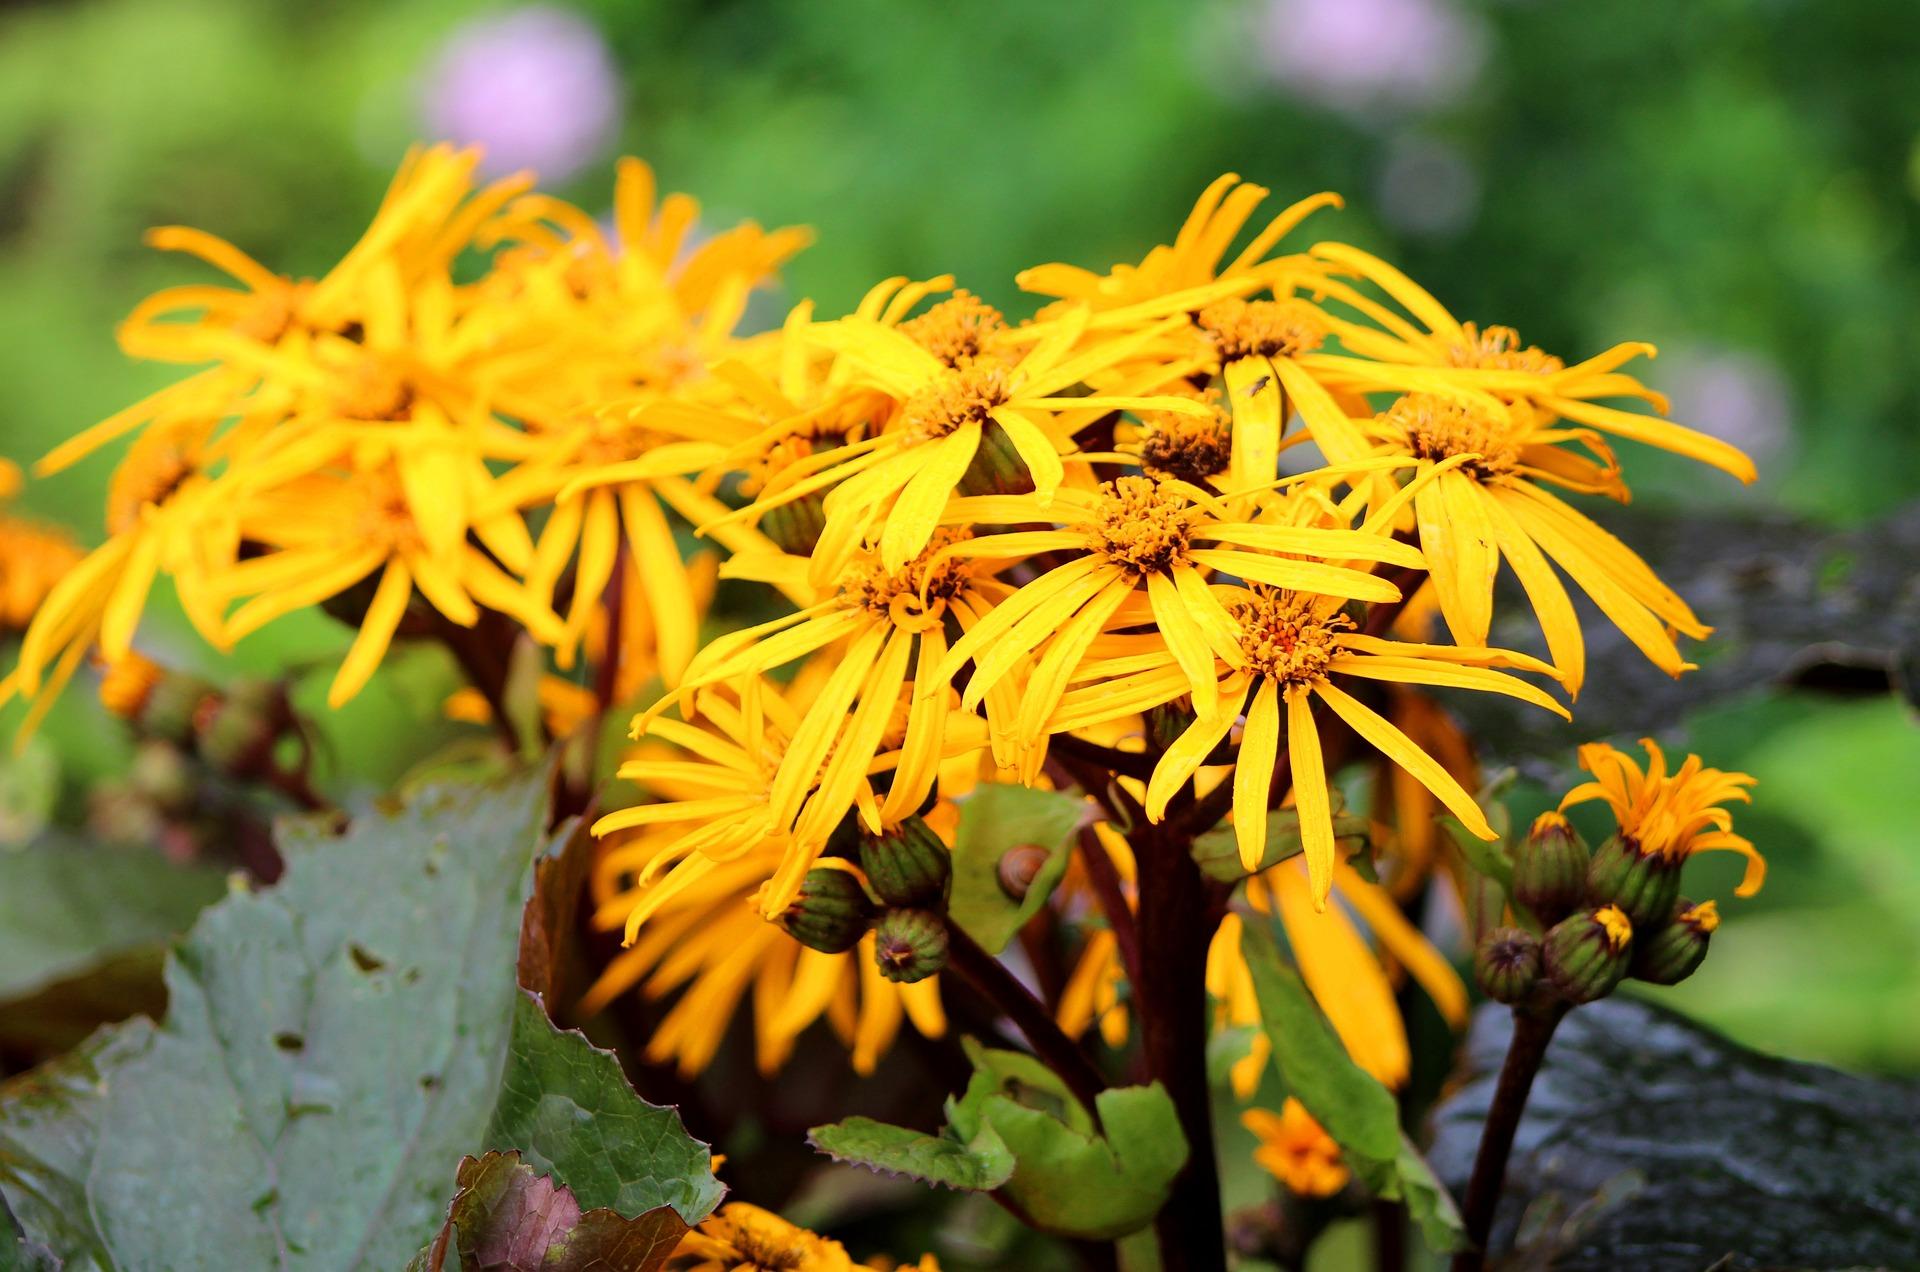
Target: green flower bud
[[908, 865], [162, 774], [831, 913], [909, 945], [1644, 885], [796, 526], [1550, 869], [1672, 954], [173, 706], [1586, 953], [1507, 964]]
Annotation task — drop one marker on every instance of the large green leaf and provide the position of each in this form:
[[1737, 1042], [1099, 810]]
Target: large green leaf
[[1652, 1143], [507, 1218], [1361, 1115], [68, 906], [993, 819], [334, 1045]]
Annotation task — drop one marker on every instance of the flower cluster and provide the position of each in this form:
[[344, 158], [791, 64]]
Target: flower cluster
[[1185, 540]]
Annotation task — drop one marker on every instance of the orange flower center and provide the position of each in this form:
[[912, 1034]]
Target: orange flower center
[[1500, 349], [1262, 328], [1439, 428], [1288, 636], [1143, 526], [957, 329], [965, 395]]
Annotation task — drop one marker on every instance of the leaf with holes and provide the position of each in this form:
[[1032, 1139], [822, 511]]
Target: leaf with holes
[[333, 1045]]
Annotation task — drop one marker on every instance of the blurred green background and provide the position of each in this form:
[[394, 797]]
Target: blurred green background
[[1735, 181]]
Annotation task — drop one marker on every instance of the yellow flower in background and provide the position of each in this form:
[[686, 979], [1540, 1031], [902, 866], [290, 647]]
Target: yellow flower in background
[[33, 558], [637, 320], [1492, 505], [1291, 648], [1187, 273], [1296, 1150], [1344, 965], [745, 1238], [1670, 815]]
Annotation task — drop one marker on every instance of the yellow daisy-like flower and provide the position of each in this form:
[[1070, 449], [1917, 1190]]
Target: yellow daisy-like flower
[[1296, 1150], [745, 1238], [710, 943], [887, 631], [1670, 815], [1187, 273], [1493, 504], [1013, 398], [1344, 971], [1292, 647], [1134, 540], [1431, 351], [636, 321]]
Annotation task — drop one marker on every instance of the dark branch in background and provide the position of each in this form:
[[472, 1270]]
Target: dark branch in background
[[1134, 764], [482, 652], [1000, 987]]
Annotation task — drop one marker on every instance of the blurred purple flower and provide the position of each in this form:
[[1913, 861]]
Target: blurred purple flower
[[1735, 395], [1427, 187], [536, 87], [1359, 56]]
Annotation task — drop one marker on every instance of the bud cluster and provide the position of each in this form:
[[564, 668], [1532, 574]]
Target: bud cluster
[[903, 901], [1603, 916]]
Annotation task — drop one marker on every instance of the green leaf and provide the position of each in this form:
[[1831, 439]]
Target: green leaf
[[565, 1104], [981, 1164], [507, 1218], [1360, 1114], [993, 819], [1016, 1130], [67, 906], [1728, 1157], [1217, 852], [332, 1044]]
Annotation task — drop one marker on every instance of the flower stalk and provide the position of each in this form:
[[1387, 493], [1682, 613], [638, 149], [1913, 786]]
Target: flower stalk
[[1533, 1028]]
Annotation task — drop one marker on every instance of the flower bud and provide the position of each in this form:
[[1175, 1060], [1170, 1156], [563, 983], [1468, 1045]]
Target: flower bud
[[1586, 953], [907, 865], [1167, 722], [1643, 885], [163, 775], [236, 731], [796, 526], [1507, 964], [831, 913], [161, 703], [909, 945], [1550, 869], [1672, 954]]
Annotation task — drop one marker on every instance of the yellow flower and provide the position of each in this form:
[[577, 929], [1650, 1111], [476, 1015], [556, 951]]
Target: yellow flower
[[885, 633], [159, 509], [1347, 975], [1290, 648], [1012, 398], [1187, 273], [1493, 504], [626, 331], [1295, 1150], [709, 942], [1143, 551], [1433, 352], [1670, 815], [744, 1238], [33, 558], [403, 511]]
